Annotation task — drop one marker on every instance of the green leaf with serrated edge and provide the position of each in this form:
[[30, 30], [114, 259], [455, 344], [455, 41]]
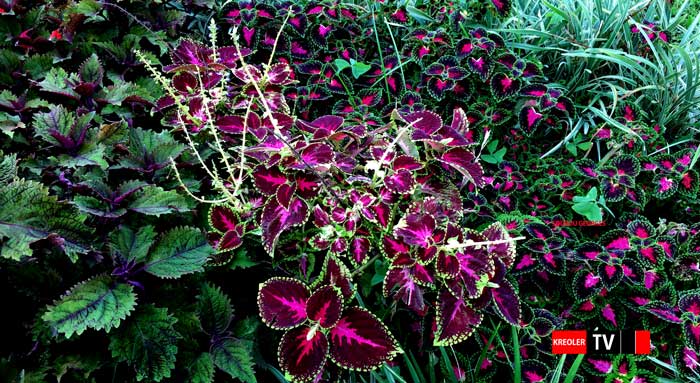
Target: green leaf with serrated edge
[[147, 148], [99, 303], [57, 80], [153, 200], [148, 343], [91, 70], [88, 155], [202, 369], [180, 251], [96, 207], [233, 357], [246, 328], [29, 214], [214, 310], [132, 246], [57, 119], [10, 123], [8, 169]]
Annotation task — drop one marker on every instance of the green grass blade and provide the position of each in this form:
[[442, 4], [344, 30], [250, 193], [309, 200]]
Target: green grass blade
[[571, 374], [452, 378], [517, 368]]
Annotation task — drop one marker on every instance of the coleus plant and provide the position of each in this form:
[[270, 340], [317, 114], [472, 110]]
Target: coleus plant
[[340, 183], [320, 326]]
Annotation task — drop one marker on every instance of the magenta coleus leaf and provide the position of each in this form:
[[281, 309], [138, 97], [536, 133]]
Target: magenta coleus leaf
[[437, 87], [663, 311], [586, 284], [268, 180], [393, 247], [474, 264], [316, 155], [664, 186], [222, 218], [534, 371], [530, 118], [506, 301], [481, 66], [231, 240], [691, 333], [284, 194], [401, 182], [504, 251], [360, 341], [282, 302], [502, 6], [610, 275], [325, 306], [535, 90], [335, 273], [599, 365], [464, 162], [504, 86], [424, 123], [322, 126], [689, 302], [359, 250], [456, 320], [302, 353], [690, 358], [280, 74], [416, 229], [402, 284], [276, 219]]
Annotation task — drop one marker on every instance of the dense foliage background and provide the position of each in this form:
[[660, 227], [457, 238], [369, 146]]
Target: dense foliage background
[[393, 191]]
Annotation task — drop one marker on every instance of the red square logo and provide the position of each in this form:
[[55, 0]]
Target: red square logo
[[642, 342], [569, 342]]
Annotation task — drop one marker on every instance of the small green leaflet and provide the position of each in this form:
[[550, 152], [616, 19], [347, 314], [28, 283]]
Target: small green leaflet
[[356, 67], [588, 207]]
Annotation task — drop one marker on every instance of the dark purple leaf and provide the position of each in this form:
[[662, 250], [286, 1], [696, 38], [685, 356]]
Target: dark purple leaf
[[334, 273], [280, 74], [402, 283], [586, 285], [276, 219], [481, 66], [324, 306], [504, 86], [416, 229], [456, 321], [302, 353], [502, 6], [268, 180], [663, 311], [506, 301], [360, 341], [282, 302], [401, 182], [464, 162], [222, 218], [359, 250]]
